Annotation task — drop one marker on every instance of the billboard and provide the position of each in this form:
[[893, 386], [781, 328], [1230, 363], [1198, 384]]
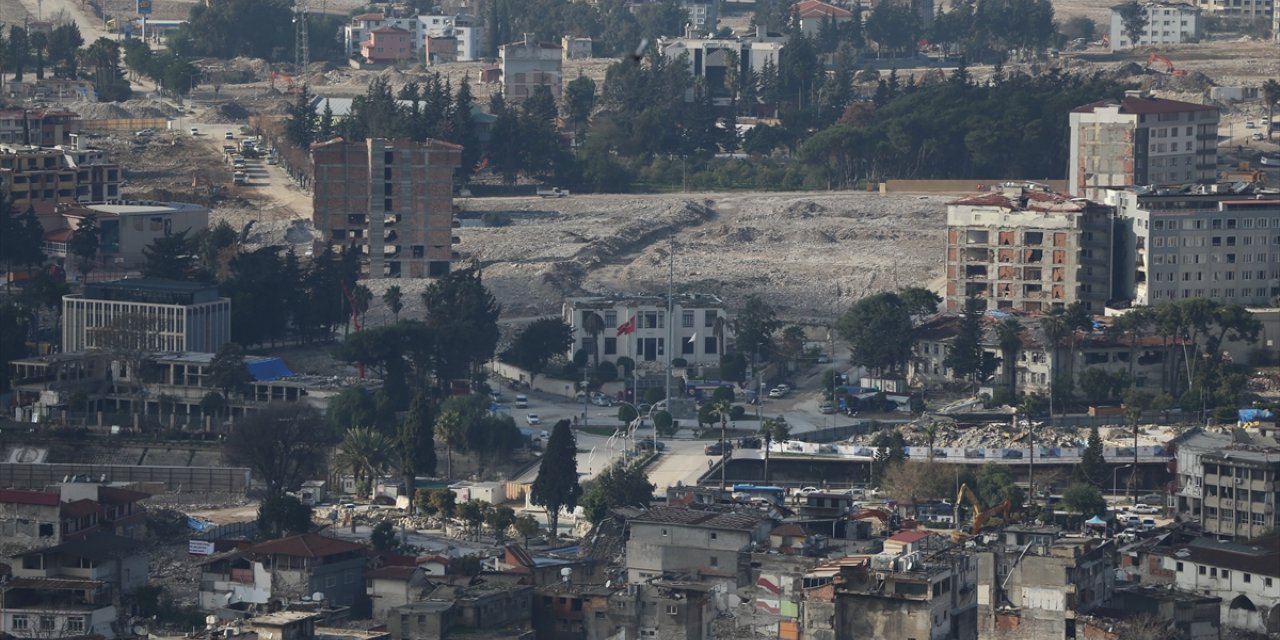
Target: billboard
[[144, 7]]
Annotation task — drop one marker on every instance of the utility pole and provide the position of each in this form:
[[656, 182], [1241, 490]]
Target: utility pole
[[671, 279]]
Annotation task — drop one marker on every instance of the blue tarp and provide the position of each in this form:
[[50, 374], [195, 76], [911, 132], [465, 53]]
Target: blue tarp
[[268, 369], [1249, 415], [198, 525]]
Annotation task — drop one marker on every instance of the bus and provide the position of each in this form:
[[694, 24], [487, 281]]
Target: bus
[[751, 492]]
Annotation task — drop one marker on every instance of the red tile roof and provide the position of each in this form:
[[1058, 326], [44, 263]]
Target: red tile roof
[[307, 545], [59, 235], [18, 496], [908, 537], [791, 529], [79, 508]]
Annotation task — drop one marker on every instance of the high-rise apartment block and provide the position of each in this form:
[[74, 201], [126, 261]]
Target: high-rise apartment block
[[1140, 140], [1197, 242], [1022, 247], [391, 198]]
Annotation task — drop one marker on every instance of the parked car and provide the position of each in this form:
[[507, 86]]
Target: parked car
[[823, 358], [143, 133], [195, 131], [1258, 137], [1270, 161], [228, 136], [806, 490], [717, 448], [533, 419], [1152, 499], [1148, 524], [1146, 509], [1133, 521], [749, 442], [650, 444], [826, 408], [776, 392], [785, 387]]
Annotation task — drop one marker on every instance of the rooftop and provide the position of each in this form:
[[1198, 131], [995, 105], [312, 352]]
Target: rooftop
[[819, 9], [701, 300], [909, 537], [702, 519], [281, 618], [97, 546], [307, 545], [1145, 106], [1260, 557], [1239, 445], [37, 498]]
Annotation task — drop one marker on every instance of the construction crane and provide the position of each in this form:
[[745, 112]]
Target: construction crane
[[1169, 68], [980, 517]]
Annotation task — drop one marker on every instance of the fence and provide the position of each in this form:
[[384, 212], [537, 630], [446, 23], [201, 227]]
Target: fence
[[175, 479], [229, 531]]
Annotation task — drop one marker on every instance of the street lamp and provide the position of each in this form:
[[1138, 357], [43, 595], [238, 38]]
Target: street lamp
[[1114, 474]]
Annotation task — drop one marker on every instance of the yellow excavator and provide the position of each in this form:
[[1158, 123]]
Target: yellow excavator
[[981, 517]]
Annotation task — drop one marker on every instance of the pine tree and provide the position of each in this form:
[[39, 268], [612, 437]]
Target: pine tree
[[1092, 468], [556, 486], [417, 442]]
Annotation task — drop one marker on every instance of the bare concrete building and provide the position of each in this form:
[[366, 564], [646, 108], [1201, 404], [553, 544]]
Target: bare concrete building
[[1022, 247], [528, 64], [393, 199], [1229, 483], [1141, 140], [1037, 589], [713, 545]]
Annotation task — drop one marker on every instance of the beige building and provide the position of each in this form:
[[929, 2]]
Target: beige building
[[1036, 585], [1141, 140], [1229, 483], [700, 328], [1244, 10], [1022, 247], [527, 64], [393, 199], [176, 316], [126, 227], [1167, 23]]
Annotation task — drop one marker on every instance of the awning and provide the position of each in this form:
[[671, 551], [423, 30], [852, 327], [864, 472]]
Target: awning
[[268, 369], [1096, 522]]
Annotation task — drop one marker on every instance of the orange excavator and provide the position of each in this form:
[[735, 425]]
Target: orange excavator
[[293, 87], [1168, 64]]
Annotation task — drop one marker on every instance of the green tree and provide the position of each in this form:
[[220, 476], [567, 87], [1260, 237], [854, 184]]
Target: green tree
[[621, 484], [890, 450], [1009, 336], [39, 43], [967, 358], [64, 45], [1271, 93], [1133, 21], [579, 100], [394, 300], [1084, 499], [627, 414], [383, 537], [663, 424], [170, 257], [213, 404], [556, 486], [1092, 468], [500, 519], [526, 527], [283, 516], [464, 317], [227, 371], [472, 513], [416, 443], [452, 431], [84, 244], [754, 326], [996, 484], [14, 327], [20, 237], [366, 455], [878, 330], [539, 342]]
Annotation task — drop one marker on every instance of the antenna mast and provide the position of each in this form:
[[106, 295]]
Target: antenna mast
[[301, 46]]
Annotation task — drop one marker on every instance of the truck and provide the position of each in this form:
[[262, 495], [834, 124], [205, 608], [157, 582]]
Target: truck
[[552, 192]]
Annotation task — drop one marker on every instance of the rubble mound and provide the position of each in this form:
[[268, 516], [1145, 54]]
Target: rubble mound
[[804, 209], [233, 111], [1129, 69]]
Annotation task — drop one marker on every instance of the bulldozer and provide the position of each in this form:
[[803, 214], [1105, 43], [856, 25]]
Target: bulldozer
[[994, 516]]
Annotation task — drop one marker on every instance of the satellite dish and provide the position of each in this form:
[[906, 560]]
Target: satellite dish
[[139, 630]]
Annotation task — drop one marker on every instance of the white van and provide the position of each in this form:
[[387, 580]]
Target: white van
[[522, 401]]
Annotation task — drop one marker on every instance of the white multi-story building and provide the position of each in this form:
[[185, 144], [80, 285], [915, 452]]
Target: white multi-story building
[[527, 64], [1240, 9], [700, 330], [1167, 23], [1246, 576], [176, 316], [1229, 483], [467, 32], [1141, 140], [711, 58], [1197, 242]]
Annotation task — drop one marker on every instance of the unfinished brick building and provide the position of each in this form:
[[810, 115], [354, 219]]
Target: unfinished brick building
[[1022, 247], [391, 198]]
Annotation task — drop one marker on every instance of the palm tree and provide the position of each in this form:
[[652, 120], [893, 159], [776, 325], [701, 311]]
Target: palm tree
[[717, 330], [452, 432], [1009, 333], [362, 296], [1271, 91], [593, 324], [365, 453], [394, 300], [931, 436]]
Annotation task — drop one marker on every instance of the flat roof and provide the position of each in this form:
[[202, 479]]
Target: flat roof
[[696, 518]]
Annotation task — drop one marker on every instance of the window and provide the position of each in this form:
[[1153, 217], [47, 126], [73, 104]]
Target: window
[[75, 624], [1179, 567], [1225, 574], [686, 319], [48, 623], [610, 346], [686, 347], [1201, 570], [664, 532], [709, 344], [1248, 577], [20, 622], [671, 609], [611, 319], [709, 318], [715, 562]]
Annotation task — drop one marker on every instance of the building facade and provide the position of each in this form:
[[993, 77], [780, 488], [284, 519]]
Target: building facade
[[1230, 483], [1242, 10], [699, 333], [388, 45], [466, 31], [1025, 248], [159, 315], [712, 59], [1244, 576], [125, 227], [1167, 23], [715, 546], [1141, 140], [1178, 244], [527, 64], [813, 14], [392, 199], [1038, 589], [37, 127]]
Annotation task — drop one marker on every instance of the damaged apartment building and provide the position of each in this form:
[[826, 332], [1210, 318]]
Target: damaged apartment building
[[392, 200], [1022, 247]]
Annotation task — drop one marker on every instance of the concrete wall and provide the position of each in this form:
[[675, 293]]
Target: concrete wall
[[966, 187], [651, 552], [175, 479]]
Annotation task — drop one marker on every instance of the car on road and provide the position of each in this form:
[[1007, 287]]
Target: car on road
[[532, 419], [1270, 161], [1146, 509], [824, 358], [777, 392], [142, 133], [228, 136], [749, 442], [806, 490], [651, 444], [195, 131], [785, 387], [522, 401], [717, 448], [1257, 136], [1133, 521], [826, 408]]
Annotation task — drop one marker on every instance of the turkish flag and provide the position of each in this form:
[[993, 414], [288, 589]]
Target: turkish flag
[[627, 328]]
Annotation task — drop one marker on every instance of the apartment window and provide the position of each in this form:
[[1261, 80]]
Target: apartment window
[[1248, 577], [1179, 567], [20, 622], [686, 347], [686, 319], [1225, 574], [671, 609], [610, 346], [709, 344], [611, 319], [664, 532], [75, 624], [48, 623], [715, 562], [709, 318]]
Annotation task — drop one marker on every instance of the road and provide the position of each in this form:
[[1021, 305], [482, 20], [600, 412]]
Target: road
[[90, 27]]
